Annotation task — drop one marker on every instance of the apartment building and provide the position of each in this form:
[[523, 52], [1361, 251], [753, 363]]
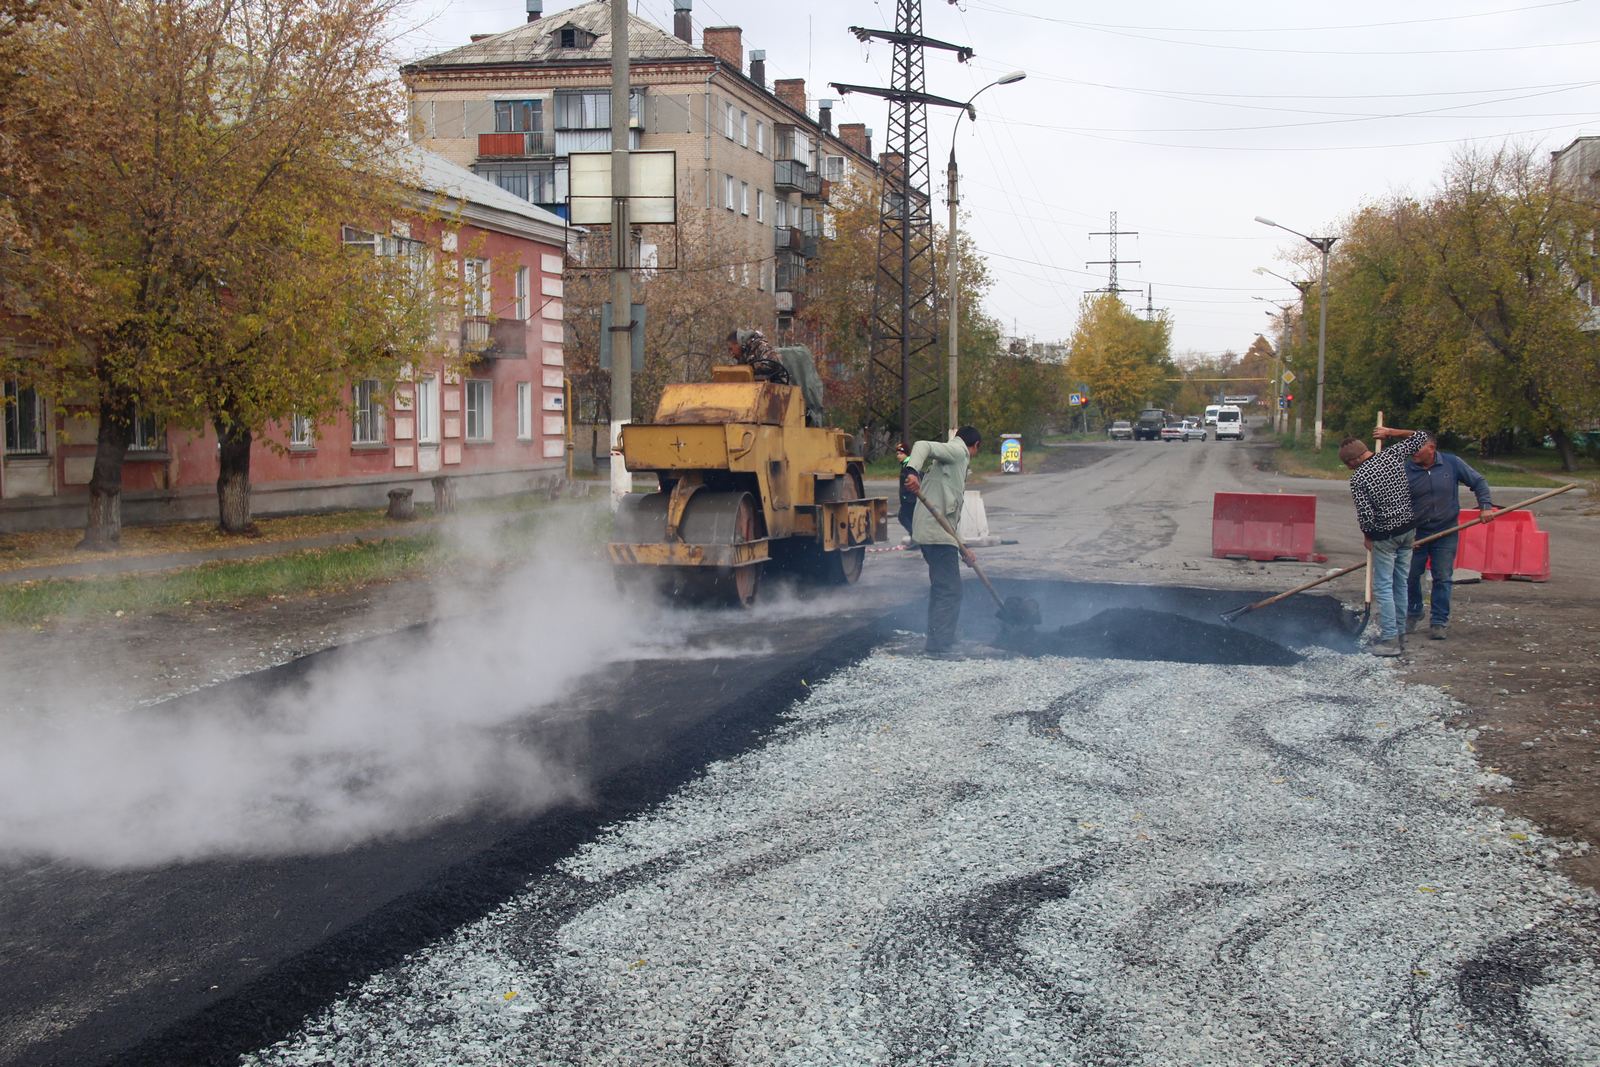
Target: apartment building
[[1577, 167], [754, 166], [491, 416]]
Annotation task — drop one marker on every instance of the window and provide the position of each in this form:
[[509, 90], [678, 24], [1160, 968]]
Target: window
[[744, 198], [533, 182], [25, 422], [576, 110], [761, 206], [475, 285], [833, 168], [518, 116], [427, 410], [728, 114], [524, 411], [744, 128], [480, 416], [781, 218], [148, 433], [522, 292], [573, 37], [728, 191], [354, 238], [302, 434], [367, 418], [761, 137]]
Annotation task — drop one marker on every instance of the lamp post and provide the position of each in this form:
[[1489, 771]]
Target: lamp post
[[1282, 315], [955, 199], [1323, 245], [1302, 287]]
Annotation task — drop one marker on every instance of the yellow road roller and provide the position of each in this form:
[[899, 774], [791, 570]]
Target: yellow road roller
[[745, 484]]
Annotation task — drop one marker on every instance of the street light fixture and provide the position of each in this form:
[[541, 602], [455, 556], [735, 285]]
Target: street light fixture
[[1323, 245], [950, 175], [1279, 418]]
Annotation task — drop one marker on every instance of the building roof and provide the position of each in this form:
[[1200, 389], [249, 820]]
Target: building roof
[[478, 199], [540, 42]]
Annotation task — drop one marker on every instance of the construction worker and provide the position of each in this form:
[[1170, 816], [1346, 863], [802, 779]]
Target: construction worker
[[1436, 479], [938, 470], [1388, 525], [752, 348]]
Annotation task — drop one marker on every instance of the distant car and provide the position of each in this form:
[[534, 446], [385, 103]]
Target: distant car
[[1147, 427], [1121, 430], [1187, 430], [1230, 423]]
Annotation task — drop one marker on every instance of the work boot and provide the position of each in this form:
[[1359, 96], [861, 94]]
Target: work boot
[[1437, 631], [1389, 647], [1412, 623]]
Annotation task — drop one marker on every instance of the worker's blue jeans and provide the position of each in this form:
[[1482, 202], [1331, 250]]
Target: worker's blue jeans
[[1391, 571], [1443, 554]]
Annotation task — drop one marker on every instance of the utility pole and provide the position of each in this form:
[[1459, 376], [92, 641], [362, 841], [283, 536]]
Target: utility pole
[[622, 325], [1113, 233], [903, 294]]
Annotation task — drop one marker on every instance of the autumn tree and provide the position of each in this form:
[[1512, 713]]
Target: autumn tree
[[1124, 360], [184, 260]]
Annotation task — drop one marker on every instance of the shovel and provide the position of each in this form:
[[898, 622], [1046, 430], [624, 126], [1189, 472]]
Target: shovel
[[1230, 616], [1016, 612]]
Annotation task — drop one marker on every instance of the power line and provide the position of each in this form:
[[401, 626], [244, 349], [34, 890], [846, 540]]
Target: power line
[[997, 9]]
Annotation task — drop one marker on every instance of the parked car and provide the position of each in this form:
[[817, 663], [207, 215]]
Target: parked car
[[1187, 430], [1121, 430]]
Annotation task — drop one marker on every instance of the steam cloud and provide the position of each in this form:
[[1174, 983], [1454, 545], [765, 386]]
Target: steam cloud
[[384, 738]]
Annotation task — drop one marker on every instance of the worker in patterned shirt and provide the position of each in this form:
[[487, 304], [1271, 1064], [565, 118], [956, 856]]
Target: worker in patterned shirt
[[1382, 494]]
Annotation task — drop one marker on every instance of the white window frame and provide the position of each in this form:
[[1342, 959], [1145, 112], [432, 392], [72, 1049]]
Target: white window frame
[[302, 433], [728, 191], [780, 217], [524, 411], [149, 434], [523, 291], [761, 137], [475, 285], [727, 121], [833, 168], [426, 407], [744, 128], [366, 413], [14, 396], [744, 198], [478, 408], [761, 205]]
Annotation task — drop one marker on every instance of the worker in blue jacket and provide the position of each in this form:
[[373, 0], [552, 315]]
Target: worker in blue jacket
[[1436, 478]]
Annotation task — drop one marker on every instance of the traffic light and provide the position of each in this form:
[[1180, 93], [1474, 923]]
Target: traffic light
[[1288, 398]]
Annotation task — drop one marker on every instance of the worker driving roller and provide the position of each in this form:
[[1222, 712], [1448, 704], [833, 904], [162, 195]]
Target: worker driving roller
[[789, 365], [751, 348]]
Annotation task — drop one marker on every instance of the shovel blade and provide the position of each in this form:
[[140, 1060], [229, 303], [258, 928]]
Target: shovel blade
[[1019, 611]]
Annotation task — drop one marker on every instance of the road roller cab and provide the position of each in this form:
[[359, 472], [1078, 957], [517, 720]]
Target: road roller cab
[[744, 484]]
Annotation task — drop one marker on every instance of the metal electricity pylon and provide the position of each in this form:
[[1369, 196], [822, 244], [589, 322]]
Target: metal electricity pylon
[[1113, 233], [905, 365]]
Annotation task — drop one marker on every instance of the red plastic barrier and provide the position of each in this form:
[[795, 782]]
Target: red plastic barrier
[[1511, 546], [1264, 526]]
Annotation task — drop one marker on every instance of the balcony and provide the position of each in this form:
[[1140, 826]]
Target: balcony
[[787, 239], [811, 187], [783, 301], [810, 248], [789, 176], [483, 337], [791, 273], [529, 145]]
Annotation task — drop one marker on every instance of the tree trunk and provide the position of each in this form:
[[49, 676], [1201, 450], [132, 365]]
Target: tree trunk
[[102, 529], [233, 478], [1569, 455]]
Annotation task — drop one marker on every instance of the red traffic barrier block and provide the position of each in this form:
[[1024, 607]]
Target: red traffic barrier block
[[1512, 546], [1264, 526]]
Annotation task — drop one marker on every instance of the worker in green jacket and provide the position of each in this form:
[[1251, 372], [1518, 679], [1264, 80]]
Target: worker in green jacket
[[938, 469]]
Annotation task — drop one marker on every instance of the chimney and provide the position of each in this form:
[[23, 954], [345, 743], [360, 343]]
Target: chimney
[[535, 9], [791, 91], [893, 165], [726, 43], [867, 137], [758, 66], [683, 21], [825, 115], [854, 134]]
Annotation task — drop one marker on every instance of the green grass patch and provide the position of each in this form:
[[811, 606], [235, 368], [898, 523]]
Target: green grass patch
[[314, 570], [1531, 468]]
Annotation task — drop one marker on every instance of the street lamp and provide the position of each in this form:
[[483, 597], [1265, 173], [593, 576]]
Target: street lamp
[[950, 175], [1323, 245], [1278, 415]]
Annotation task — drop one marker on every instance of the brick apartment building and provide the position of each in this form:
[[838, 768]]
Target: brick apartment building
[[754, 167], [495, 427]]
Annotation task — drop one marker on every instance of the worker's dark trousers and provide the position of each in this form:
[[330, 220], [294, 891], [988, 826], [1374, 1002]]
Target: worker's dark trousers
[[944, 595]]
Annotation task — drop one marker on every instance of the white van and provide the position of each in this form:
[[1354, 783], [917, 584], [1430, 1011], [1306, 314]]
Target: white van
[[1230, 422], [1211, 413]]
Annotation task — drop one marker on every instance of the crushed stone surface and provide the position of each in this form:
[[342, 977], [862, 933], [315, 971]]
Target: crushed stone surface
[[1037, 861]]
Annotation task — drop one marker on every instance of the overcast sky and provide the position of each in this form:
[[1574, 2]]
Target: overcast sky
[[1186, 119]]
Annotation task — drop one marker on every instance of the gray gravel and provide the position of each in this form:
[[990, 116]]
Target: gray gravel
[[1052, 861]]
